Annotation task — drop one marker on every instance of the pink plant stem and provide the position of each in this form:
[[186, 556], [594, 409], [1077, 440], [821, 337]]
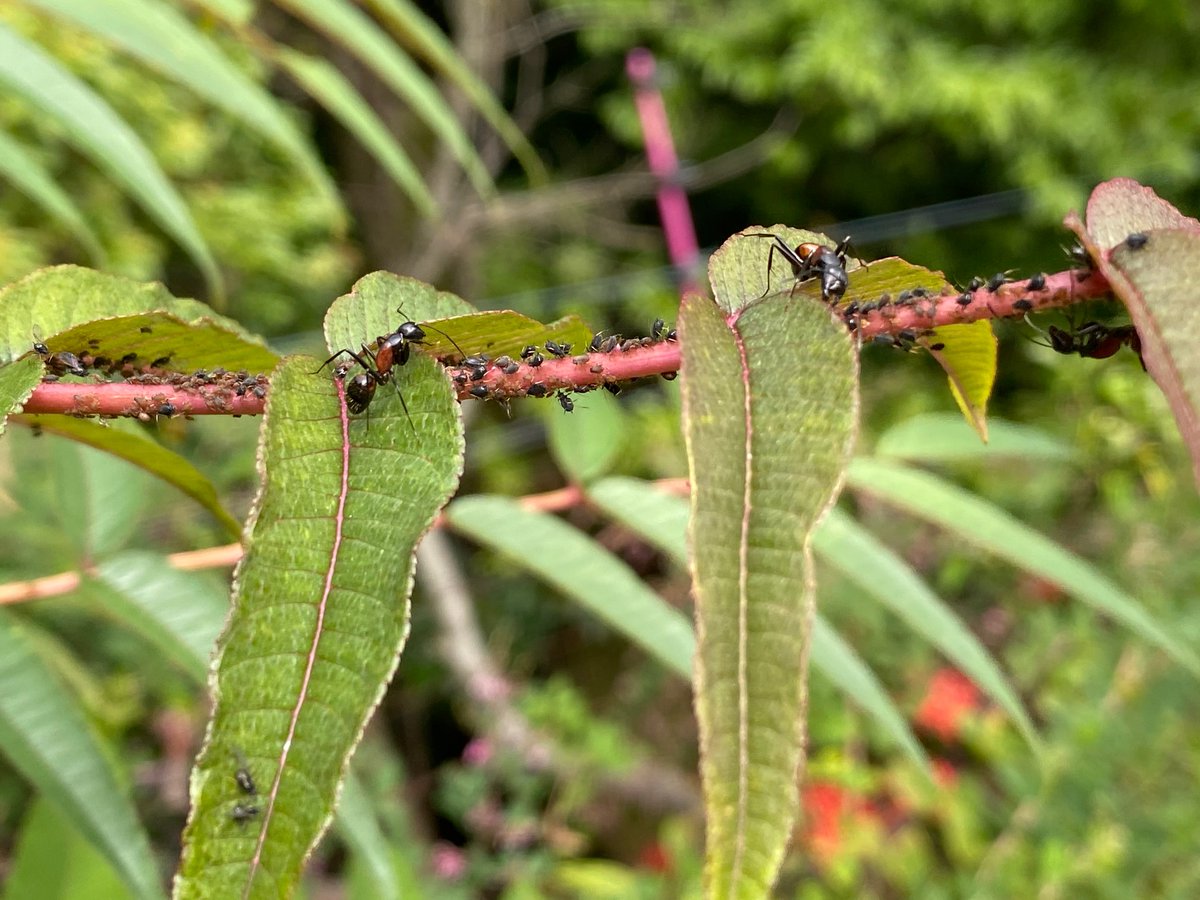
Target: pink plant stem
[[673, 209]]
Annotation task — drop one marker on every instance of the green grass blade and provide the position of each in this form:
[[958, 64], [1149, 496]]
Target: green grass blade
[[45, 736], [945, 437], [92, 126], [332, 90], [359, 827], [882, 575], [986, 526], [161, 37], [580, 568], [423, 37], [770, 404], [29, 177], [350, 27], [320, 612]]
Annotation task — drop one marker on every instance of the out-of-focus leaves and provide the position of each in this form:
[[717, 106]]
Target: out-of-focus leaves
[[359, 827], [866, 561], [97, 499], [137, 449], [661, 519], [986, 526], [943, 437], [770, 407], [45, 737], [158, 35], [331, 89], [585, 443], [580, 568], [31, 178], [52, 861], [349, 26], [99, 133]]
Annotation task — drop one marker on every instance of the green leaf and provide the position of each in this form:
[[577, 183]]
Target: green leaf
[[585, 443], [968, 355], [359, 827], [882, 575], [422, 36], [161, 37], [373, 312], [580, 568], [136, 448], [99, 133], [770, 403], [17, 381], [837, 661], [235, 12], [320, 614], [992, 529], [943, 437], [52, 860], [97, 499], [350, 27], [45, 737], [180, 613], [52, 301], [661, 519], [30, 177], [332, 90], [502, 332]]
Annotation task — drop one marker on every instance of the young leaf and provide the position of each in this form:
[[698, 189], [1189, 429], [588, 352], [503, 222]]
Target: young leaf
[[769, 412], [100, 134], [320, 615], [44, 735], [986, 526], [580, 568]]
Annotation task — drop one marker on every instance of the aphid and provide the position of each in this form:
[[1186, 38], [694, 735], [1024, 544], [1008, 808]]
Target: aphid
[[161, 361], [1023, 305], [907, 336], [920, 292], [475, 362], [167, 408], [94, 344], [657, 329], [242, 776], [975, 284], [537, 389], [964, 299], [128, 358], [937, 346], [502, 362], [997, 281], [529, 351], [565, 401], [597, 340], [669, 376], [61, 363], [1037, 282], [1137, 240], [1079, 254], [581, 360], [904, 298], [883, 340], [478, 373], [512, 368], [480, 391], [811, 260], [243, 812], [146, 329], [556, 349], [612, 387], [609, 344], [672, 335], [535, 360]]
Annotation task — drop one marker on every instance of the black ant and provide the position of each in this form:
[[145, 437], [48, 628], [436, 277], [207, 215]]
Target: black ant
[[1095, 341], [810, 260], [562, 351]]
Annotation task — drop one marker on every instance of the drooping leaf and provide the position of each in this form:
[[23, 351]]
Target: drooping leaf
[[944, 437], [137, 449], [968, 355], [422, 36], [320, 613], [867, 562], [92, 126], [661, 519], [45, 737], [580, 568], [349, 26], [769, 395], [53, 300], [158, 35], [30, 177], [986, 526], [336, 93]]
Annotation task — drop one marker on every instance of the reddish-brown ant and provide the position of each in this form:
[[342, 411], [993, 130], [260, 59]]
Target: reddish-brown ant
[[811, 260], [61, 363], [1095, 341]]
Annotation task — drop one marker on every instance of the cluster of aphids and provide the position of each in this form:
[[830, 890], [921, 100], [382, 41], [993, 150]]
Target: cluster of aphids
[[244, 810], [81, 364], [473, 369]]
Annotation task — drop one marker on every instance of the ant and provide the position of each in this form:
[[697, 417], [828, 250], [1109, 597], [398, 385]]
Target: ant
[[60, 363], [1095, 341], [811, 260]]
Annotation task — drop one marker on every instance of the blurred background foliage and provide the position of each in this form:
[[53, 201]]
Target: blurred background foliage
[[955, 134]]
